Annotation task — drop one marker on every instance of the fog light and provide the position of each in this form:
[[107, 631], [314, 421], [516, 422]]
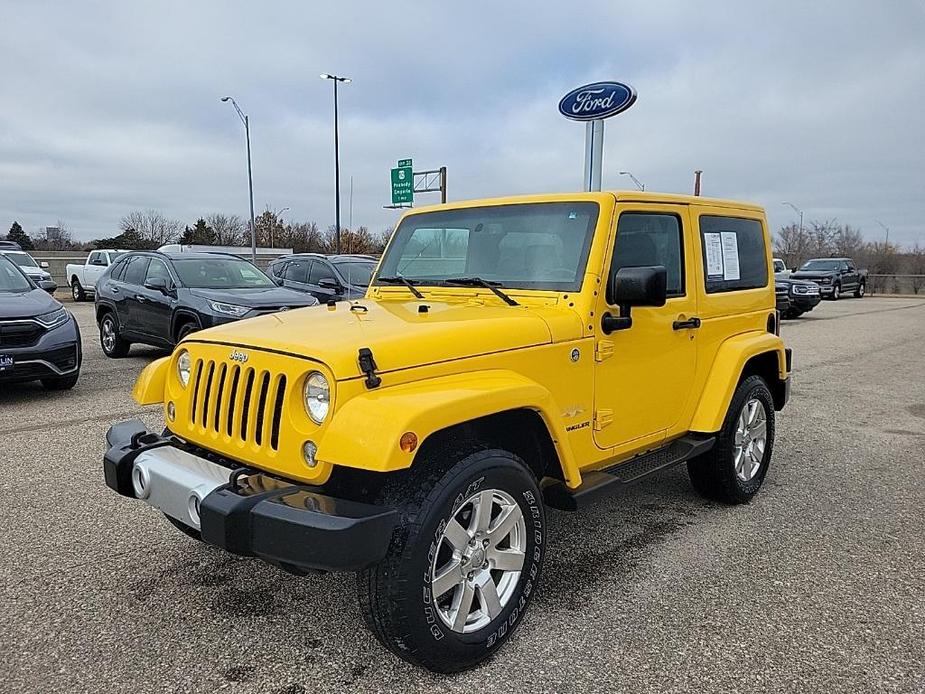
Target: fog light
[[171, 410], [309, 449], [408, 441], [140, 482]]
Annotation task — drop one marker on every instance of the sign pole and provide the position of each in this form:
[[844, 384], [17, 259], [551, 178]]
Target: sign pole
[[594, 154]]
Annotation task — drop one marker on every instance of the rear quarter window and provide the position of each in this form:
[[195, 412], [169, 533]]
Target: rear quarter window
[[734, 254]]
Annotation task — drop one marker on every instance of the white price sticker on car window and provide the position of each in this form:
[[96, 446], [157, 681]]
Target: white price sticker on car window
[[730, 241], [713, 249]]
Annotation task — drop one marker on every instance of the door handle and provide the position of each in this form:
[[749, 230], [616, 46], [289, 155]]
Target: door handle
[[139, 297], [689, 324], [115, 290]]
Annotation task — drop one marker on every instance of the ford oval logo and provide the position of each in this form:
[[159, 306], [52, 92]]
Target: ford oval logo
[[596, 101]]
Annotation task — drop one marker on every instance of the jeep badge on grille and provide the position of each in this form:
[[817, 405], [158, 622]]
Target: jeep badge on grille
[[239, 356]]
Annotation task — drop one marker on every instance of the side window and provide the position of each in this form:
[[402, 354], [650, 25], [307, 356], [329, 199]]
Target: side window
[[320, 271], [645, 238], [277, 269], [158, 269], [779, 266], [734, 254], [116, 272], [96, 258], [135, 272], [297, 271]]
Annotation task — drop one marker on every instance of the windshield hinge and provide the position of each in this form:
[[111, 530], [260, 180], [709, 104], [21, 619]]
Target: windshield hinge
[[368, 366], [602, 418], [603, 350]]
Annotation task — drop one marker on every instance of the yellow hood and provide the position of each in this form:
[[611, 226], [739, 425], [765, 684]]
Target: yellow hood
[[398, 335]]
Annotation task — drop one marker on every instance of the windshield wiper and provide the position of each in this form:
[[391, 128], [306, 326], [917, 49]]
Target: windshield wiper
[[479, 282], [398, 279]]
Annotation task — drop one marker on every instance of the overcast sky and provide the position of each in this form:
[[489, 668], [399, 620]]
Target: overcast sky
[[107, 107]]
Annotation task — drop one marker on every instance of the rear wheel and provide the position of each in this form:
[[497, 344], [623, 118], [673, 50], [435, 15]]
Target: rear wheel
[[114, 346], [733, 470], [836, 292], [464, 559], [77, 292], [859, 292]]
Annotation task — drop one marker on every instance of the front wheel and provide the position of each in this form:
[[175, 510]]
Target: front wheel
[[464, 560], [733, 470], [77, 292], [859, 292]]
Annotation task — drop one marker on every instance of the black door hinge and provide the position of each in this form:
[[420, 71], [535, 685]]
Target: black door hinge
[[368, 366]]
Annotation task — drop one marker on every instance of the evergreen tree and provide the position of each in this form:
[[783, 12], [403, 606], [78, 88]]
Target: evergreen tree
[[201, 234], [21, 237]]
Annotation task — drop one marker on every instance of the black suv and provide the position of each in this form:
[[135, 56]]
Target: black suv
[[39, 338], [159, 298], [326, 277]]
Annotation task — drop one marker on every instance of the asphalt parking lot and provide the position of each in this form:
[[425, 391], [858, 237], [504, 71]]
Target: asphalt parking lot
[[816, 586]]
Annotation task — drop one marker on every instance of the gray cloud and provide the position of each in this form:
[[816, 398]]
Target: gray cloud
[[108, 106]]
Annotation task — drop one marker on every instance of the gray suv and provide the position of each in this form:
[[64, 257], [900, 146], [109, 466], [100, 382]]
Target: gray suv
[[326, 277]]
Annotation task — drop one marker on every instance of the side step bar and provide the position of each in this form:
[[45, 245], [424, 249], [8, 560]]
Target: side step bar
[[598, 482]]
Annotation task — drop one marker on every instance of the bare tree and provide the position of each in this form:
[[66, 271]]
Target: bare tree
[[228, 228], [915, 266], [791, 244], [848, 241], [304, 237], [882, 259], [56, 238], [151, 226]]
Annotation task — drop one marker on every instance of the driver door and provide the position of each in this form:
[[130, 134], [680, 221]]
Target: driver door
[[645, 373]]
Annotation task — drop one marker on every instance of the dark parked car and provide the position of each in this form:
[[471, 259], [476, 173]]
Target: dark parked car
[[39, 338], [835, 276], [159, 298], [326, 277], [802, 296], [782, 295]]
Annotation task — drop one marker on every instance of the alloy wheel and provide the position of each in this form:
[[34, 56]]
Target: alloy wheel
[[108, 334], [478, 561], [751, 439]]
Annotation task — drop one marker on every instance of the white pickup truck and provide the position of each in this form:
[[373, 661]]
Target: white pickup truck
[[82, 278]]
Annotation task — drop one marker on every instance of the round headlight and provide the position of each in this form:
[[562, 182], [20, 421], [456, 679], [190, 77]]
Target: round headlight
[[317, 395], [184, 364]]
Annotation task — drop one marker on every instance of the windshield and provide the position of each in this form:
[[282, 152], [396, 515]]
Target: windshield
[[220, 273], [22, 259], [12, 279], [527, 246], [821, 265], [356, 272]]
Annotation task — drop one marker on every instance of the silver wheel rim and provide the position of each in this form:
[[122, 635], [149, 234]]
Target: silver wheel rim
[[74, 291], [478, 560], [751, 439], [835, 292], [108, 333], [861, 290]]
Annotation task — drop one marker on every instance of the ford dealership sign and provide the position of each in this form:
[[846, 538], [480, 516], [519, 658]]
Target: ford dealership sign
[[597, 101]]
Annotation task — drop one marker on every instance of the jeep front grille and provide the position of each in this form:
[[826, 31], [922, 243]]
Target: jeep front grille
[[237, 402]]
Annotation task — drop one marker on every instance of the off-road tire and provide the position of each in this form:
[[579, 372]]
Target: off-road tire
[[191, 533], [395, 595], [713, 474], [60, 382], [77, 291], [120, 345], [859, 292]]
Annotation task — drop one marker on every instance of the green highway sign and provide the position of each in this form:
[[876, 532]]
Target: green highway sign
[[402, 183]]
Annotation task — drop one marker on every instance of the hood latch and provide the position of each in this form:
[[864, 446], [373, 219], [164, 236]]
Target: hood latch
[[368, 366]]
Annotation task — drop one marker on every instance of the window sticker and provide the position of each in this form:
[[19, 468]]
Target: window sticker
[[713, 247], [730, 243]]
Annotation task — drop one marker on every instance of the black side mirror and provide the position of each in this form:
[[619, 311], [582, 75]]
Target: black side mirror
[[333, 285], [634, 286], [158, 284]]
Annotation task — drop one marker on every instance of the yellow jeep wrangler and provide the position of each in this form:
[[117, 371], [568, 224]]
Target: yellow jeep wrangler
[[510, 354]]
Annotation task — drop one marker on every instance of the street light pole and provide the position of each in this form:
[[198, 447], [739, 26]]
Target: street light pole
[[641, 186], [250, 178], [798, 211], [886, 229], [335, 79]]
